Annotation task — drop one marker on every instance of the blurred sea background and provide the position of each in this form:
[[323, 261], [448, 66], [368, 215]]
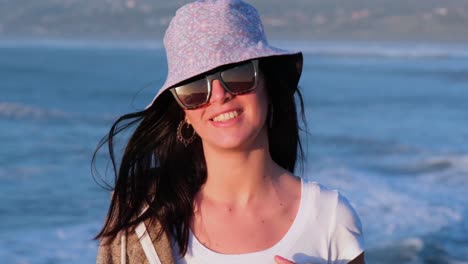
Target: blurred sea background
[[385, 85]]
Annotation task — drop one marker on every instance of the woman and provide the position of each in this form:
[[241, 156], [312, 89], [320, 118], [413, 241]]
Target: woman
[[207, 175]]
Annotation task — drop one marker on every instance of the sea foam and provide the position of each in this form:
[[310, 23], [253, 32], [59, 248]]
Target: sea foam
[[19, 110]]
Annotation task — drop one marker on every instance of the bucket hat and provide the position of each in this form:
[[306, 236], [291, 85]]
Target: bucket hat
[[207, 34]]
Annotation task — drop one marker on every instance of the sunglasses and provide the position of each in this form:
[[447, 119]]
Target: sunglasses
[[236, 79]]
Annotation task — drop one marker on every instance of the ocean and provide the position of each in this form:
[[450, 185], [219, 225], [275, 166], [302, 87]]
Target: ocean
[[387, 123]]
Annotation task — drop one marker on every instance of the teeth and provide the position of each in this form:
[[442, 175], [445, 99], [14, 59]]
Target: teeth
[[226, 116]]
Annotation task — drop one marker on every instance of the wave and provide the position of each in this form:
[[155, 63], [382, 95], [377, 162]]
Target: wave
[[82, 44], [394, 158], [452, 167], [363, 145], [358, 49], [45, 244], [415, 250], [11, 110], [399, 252], [407, 220], [456, 162], [20, 111], [368, 49]]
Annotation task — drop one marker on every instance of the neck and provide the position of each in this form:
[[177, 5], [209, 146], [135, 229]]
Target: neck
[[237, 177]]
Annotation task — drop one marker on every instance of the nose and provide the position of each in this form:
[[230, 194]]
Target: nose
[[218, 93]]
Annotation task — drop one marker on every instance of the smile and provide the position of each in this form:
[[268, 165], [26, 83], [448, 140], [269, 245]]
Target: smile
[[226, 116]]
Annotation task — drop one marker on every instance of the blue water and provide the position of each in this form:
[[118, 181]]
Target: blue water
[[388, 127]]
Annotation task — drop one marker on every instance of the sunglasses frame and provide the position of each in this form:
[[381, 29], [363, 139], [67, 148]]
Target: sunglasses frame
[[217, 76]]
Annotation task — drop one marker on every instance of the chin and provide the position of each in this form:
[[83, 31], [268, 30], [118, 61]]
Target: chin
[[240, 142], [229, 144]]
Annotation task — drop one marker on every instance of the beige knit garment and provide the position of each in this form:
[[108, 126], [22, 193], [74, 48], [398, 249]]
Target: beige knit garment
[[109, 250]]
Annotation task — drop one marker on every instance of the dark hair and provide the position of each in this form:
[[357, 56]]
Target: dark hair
[[159, 171]]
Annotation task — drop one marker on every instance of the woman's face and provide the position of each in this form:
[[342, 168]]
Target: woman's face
[[229, 121]]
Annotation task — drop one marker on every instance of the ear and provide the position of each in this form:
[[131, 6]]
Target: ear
[[187, 120]]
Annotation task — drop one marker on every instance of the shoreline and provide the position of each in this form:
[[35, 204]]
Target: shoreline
[[356, 48]]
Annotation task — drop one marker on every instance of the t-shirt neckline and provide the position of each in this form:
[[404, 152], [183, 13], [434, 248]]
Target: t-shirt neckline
[[285, 242]]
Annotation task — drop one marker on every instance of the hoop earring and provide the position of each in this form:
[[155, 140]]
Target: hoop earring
[[180, 136]]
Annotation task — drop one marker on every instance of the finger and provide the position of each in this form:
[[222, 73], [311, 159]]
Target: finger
[[281, 260]]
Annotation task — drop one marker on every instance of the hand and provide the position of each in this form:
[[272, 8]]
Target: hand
[[281, 260]]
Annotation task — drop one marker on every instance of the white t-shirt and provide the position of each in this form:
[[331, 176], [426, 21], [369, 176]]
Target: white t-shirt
[[326, 230]]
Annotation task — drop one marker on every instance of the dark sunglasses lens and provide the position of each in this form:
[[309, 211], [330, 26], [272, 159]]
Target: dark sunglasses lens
[[193, 94], [239, 79]]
